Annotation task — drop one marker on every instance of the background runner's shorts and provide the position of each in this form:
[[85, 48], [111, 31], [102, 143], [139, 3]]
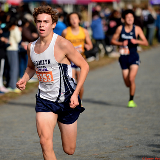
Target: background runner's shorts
[[127, 60], [66, 115], [74, 66]]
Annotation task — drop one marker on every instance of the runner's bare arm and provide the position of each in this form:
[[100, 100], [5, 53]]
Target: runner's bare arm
[[140, 33], [29, 73], [73, 55], [116, 37], [88, 44], [30, 70]]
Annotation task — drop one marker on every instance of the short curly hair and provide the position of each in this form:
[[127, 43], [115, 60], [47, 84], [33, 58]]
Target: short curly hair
[[48, 10]]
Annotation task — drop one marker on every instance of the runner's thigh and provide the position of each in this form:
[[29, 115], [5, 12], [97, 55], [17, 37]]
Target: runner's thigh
[[125, 73], [133, 71], [68, 134], [46, 122]]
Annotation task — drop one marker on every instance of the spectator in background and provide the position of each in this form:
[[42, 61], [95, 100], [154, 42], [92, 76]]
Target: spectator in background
[[113, 23], [97, 32], [62, 12], [85, 18], [24, 9], [138, 19], [3, 45], [12, 54], [60, 26], [29, 34], [98, 8], [149, 17], [158, 24], [107, 13]]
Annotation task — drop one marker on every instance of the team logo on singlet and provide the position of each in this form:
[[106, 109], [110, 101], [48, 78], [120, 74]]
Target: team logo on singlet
[[42, 62], [126, 36]]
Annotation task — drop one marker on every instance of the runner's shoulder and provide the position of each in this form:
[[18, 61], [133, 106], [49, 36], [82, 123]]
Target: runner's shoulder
[[29, 46], [85, 30], [63, 43], [65, 30], [119, 28], [138, 28]]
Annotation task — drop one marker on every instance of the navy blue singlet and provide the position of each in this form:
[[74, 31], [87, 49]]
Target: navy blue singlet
[[128, 36], [132, 58]]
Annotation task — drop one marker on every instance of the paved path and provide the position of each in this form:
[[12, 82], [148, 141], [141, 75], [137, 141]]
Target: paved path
[[107, 130]]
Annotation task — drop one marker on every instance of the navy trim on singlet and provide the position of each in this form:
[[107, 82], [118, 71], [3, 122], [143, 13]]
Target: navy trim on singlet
[[68, 88], [60, 86], [38, 92]]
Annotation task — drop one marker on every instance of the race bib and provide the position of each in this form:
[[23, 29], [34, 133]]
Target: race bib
[[79, 48], [124, 50], [46, 76]]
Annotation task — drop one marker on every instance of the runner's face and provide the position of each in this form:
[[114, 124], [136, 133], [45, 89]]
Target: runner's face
[[129, 19], [74, 20], [44, 24]]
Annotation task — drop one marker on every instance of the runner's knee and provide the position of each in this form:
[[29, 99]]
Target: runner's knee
[[46, 143], [131, 79], [127, 83], [69, 150]]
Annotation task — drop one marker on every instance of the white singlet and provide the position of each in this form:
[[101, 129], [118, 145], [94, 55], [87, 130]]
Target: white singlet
[[55, 79]]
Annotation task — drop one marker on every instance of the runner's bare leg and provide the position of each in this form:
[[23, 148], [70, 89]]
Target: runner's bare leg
[[68, 136], [46, 122], [125, 74], [132, 75]]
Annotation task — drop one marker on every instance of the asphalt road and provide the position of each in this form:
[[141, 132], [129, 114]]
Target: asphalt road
[[107, 129]]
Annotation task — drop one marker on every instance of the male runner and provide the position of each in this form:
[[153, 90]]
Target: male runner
[[57, 98], [129, 59], [80, 39]]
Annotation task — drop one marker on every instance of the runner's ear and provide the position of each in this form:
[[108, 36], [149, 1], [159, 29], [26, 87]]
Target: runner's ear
[[54, 25]]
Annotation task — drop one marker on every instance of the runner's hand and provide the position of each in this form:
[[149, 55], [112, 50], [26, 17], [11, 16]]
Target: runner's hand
[[87, 47], [21, 84], [74, 101], [134, 41], [125, 43]]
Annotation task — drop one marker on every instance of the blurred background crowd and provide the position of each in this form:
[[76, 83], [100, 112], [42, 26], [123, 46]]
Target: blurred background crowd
[[17, 29]]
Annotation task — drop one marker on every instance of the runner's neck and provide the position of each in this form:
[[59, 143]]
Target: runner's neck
[[75, 30], [46, 40], [128, 28]]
